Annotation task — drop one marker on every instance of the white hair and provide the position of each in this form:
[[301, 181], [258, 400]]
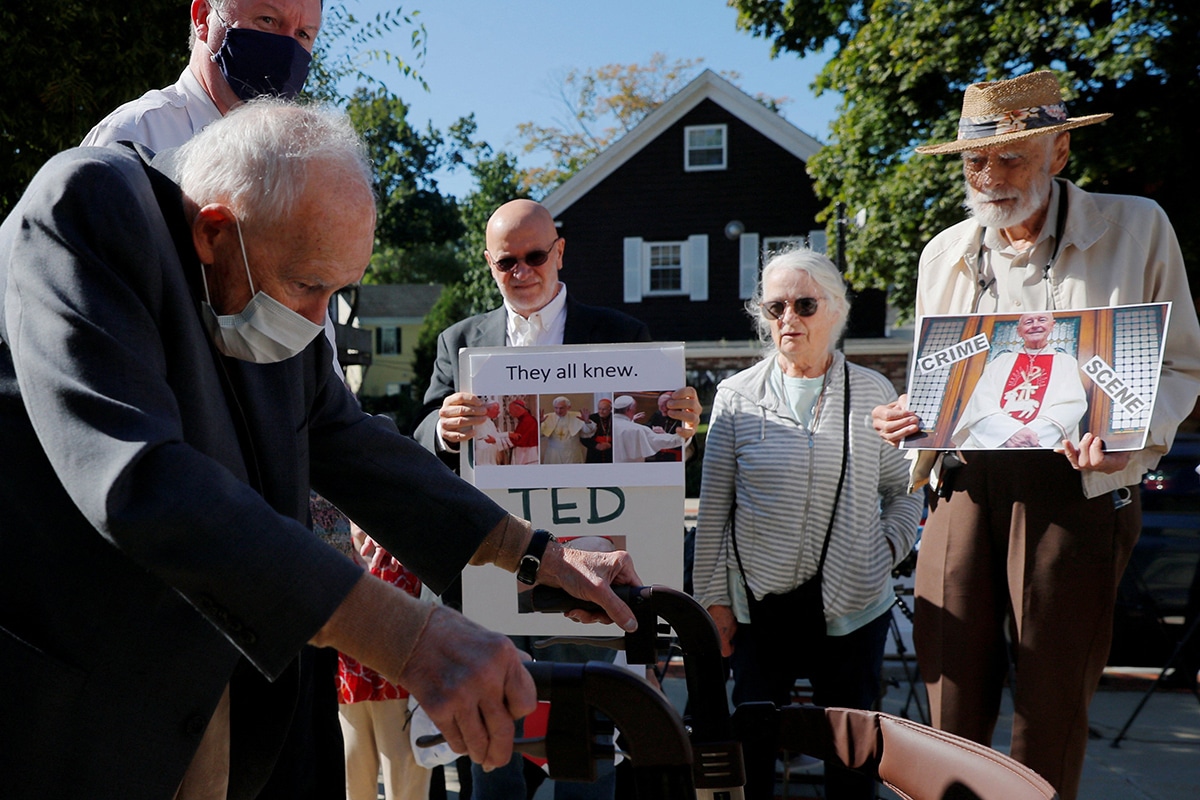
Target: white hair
[[823, 273], [257, 158]]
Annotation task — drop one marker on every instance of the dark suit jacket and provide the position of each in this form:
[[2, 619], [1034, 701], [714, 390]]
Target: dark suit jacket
[[585, 325], [154, 494]]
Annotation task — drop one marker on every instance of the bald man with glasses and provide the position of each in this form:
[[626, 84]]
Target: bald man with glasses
[[525, 254]]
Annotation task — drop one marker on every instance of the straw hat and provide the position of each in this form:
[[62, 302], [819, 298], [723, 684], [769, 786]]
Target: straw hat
[[1007, 111]]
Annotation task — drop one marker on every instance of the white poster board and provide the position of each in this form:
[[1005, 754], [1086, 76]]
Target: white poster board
[[543, 463]]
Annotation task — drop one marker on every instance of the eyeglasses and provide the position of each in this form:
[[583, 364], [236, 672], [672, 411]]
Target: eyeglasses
[[534, 258], [803, 306]]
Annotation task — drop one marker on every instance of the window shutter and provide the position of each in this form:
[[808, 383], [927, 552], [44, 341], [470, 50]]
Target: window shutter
[[816, 241], [633, 269], [747, 264], [697, 267]]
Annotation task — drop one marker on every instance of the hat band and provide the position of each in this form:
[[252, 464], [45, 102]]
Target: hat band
[[1013, 121]]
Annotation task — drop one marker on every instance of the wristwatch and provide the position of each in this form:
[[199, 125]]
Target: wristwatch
[[527, 569]]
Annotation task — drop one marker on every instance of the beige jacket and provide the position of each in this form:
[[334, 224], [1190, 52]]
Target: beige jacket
[[1116, 250]]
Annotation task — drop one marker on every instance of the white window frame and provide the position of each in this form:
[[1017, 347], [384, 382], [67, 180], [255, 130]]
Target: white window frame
[[648, 249], [688, 149], [694, 265]]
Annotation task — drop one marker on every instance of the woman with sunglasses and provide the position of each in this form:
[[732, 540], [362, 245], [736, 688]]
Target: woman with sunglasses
[[803, 513]]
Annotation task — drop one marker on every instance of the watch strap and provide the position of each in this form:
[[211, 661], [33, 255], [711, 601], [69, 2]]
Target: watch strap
[[527, 569]]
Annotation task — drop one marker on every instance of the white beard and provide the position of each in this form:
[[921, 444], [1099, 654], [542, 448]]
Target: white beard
[[1028, 204]]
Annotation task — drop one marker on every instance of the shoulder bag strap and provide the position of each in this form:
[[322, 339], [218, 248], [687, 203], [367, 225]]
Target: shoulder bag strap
[[836, 498]]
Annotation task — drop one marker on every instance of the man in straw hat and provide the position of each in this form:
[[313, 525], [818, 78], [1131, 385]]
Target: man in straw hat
[[1034, 542]]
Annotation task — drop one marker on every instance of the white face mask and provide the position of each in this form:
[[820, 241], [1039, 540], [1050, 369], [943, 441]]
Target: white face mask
[[266, 331]]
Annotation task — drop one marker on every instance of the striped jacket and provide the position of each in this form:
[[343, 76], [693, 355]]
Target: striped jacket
[[784, 479]]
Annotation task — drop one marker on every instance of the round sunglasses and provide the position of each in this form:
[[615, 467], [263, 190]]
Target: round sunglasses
[[803, 306], [534, 258]]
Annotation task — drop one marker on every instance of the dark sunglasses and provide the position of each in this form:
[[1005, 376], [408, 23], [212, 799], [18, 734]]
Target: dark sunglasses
[[803, 306], [534, 258]]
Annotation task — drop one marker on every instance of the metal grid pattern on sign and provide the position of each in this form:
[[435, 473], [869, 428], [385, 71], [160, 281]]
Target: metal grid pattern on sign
[[1137, 337], [925, 394]]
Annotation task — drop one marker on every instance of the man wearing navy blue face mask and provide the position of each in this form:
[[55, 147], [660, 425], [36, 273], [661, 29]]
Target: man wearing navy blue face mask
[[240, 49]]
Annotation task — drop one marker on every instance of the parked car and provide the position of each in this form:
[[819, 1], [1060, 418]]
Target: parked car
[[1175, 485], [1152, 599]]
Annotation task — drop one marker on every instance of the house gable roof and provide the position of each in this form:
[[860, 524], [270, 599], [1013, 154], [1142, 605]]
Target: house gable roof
[[396, 301], [708, 85]]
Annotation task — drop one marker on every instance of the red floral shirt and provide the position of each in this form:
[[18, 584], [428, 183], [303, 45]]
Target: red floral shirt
[[357, 682]]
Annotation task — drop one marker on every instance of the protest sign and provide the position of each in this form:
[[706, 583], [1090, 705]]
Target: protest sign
[[573, 445], [1033, 380]]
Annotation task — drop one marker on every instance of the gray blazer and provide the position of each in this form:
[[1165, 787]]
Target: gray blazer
[[154, 498], [584, 325]]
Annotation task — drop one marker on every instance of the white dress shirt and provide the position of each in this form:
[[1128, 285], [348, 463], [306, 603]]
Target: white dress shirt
[[542, 327]]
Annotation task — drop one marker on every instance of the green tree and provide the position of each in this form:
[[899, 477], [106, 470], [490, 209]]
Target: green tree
[[902, 68], [349, 44], [498, 179], [415, 221], [602, 105], [64, 64]]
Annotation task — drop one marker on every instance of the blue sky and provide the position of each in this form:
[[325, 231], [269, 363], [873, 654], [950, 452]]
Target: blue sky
[[504, 60]]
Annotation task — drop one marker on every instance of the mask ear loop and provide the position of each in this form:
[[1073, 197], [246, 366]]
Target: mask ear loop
[[212, 54], [245, 260], [204, 275]]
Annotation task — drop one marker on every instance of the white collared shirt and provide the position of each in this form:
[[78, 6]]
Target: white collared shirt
[[542, 327], [161, 118]]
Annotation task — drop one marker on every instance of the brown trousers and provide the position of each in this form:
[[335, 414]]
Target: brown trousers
[[1016, 549]]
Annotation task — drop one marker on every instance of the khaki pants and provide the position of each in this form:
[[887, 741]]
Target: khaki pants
[[376, 739], [207, 777], [1017, 549]]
